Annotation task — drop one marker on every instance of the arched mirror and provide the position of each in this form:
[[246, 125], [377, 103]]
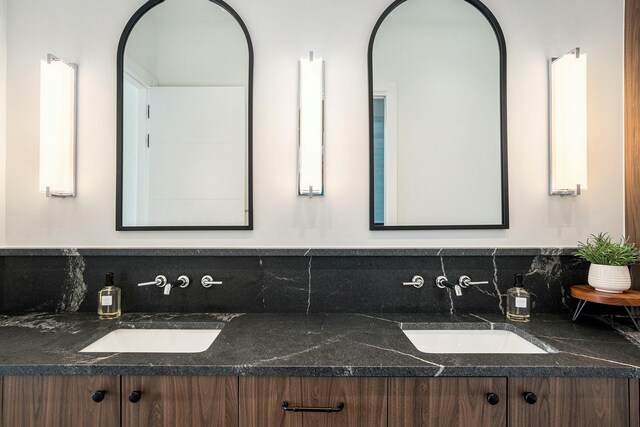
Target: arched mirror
[[184, 118], [437, 111]]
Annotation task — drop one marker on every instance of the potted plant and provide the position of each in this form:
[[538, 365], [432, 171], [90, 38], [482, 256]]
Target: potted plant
[[609, 270]]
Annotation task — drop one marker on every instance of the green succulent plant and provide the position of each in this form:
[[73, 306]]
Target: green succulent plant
[[601, 249]]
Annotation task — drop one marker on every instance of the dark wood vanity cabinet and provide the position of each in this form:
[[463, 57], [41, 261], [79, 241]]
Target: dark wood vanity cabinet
[[516, 402], [563, 402], [313, 402], [157, 401], [447, 402], [61, 401]]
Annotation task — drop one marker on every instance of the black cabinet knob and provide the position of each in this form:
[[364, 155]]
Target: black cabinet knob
[[493, 398], [529, 397], [98, 396], [135, 396]]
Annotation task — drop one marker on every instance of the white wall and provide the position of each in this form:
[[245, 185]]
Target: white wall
[[3, 116], [87, 31]]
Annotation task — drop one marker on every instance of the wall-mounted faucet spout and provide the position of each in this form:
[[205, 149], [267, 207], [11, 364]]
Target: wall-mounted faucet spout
[[182, 282], [442, 283]]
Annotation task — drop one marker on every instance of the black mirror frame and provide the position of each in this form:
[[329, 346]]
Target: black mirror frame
[[503, 131], [119, 125]]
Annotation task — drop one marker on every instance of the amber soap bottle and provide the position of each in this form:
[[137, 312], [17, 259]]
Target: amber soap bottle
[[109, 300]]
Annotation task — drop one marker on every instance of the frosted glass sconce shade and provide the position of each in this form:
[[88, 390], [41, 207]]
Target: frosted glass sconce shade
[[57, 127], [311, 127], [568, 123]]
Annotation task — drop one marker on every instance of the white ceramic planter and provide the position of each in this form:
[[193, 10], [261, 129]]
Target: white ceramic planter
[[609, 278]]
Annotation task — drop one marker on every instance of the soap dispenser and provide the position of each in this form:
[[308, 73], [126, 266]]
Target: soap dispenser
[[518, 302], [109, 300]]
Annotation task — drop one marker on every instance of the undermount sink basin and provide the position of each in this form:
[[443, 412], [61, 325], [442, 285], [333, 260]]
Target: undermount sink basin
[[473, 339], [148, 340]]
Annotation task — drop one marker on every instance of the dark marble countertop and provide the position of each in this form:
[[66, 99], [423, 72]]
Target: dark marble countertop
[[314, 345]]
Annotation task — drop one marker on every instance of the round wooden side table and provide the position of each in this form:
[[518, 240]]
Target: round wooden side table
[[629, 299]]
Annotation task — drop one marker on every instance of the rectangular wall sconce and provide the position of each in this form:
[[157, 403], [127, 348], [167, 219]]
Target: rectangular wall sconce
[[311, 127], [568, 123], [57, 127]]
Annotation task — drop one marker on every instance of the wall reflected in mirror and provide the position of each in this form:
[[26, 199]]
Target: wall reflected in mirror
[[185, 107], [438, 132]]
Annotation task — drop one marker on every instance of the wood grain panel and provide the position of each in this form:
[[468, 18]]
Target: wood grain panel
[[446, 402], [365, 401], [261, 401], [632, 126], [60, 401], [634, 403], [565, 402], [180, 401]]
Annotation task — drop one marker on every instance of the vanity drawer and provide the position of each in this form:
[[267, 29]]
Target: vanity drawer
[[159, 401], [313, 401], [447, 402], [61, 401]]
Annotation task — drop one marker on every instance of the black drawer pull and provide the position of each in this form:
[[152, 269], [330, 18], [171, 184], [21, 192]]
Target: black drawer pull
[[530, 397], [493, 398], [135, 396], [98, 396], [285, 405]]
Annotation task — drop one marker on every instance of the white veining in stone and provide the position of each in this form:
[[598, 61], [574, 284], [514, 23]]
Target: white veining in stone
[[572, 339], [495, 280], [284, 279], [377, 318], [563, 298], [391, 350], [601, 359], [483, 319], [552, 251], [41, 321], [309, 293], [97, 359], [226, 317], [631, 335], [549, 267], [452, 308], [75, 289], [297, 353]]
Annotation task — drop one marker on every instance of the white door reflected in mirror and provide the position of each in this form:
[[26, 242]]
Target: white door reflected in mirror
[[185, 112]]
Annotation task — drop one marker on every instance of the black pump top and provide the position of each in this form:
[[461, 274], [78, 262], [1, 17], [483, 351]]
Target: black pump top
[[518, 281], [109, 279]]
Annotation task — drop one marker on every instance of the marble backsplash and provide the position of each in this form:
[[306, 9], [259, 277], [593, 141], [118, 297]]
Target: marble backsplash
[[286, 280]]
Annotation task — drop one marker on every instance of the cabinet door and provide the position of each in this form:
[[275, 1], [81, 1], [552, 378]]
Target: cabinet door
[[180, 401], [61, 401], [364, 399], [565, 402], [634, 403], [445, 402]]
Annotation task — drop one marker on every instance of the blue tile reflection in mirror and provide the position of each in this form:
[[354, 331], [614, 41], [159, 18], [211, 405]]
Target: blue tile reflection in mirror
[[378, 157], [438, 141]]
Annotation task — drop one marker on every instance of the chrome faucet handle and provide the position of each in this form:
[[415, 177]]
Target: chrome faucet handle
[[416, 282], [207, 281], [442, 283], [160, 282], [465, 282], [182, 282]]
